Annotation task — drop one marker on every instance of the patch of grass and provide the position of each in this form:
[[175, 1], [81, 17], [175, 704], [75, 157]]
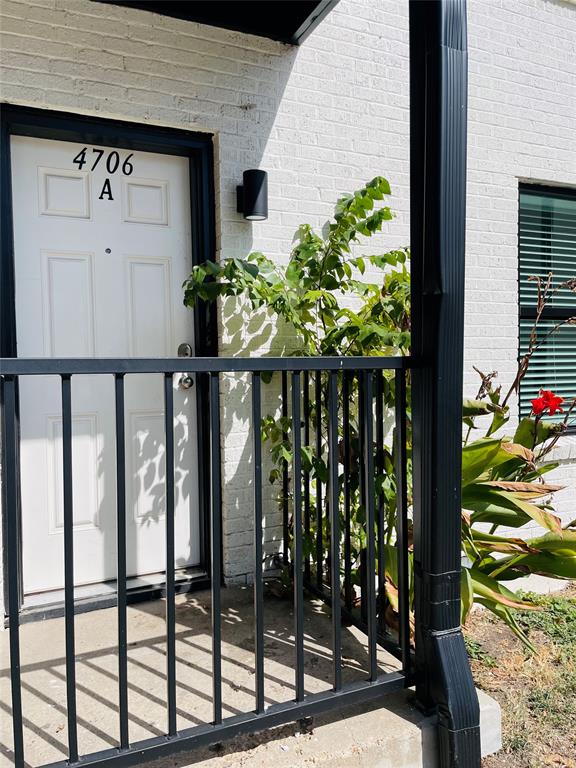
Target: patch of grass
[[537, 692], [477, 652], [516, 743], [539, 700], [557, 620]]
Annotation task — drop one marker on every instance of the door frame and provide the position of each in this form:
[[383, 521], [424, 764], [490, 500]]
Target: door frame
[[198, 148]]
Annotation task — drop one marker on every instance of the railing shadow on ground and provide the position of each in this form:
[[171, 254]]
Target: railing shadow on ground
[[44, 714]]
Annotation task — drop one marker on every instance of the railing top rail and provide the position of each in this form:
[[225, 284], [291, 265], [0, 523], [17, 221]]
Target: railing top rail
[[46, 366]]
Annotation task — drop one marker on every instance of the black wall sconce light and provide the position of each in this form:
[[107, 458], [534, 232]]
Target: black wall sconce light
[[252, 196]]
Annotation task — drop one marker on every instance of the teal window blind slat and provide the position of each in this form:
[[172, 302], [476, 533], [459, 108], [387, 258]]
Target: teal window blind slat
[[547, 243]]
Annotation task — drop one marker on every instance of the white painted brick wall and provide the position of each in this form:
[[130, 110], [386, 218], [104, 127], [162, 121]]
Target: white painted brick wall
[[322, 119], [522, 113]]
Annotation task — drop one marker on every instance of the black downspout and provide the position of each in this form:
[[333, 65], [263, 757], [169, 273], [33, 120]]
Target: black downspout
[[438, 94]]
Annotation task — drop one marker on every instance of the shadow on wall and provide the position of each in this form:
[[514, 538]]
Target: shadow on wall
[[244, 332], [253, 333]]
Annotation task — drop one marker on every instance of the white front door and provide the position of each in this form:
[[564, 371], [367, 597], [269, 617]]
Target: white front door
[[102, 245]]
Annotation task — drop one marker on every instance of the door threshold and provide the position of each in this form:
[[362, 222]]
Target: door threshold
[[91, 597]]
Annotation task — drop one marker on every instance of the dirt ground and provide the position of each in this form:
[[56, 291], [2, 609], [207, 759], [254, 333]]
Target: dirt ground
[[537, 692]]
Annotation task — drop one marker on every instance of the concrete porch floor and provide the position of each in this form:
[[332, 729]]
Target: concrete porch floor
[[44, 679]]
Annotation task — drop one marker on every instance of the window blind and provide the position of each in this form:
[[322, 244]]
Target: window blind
[[547, 243]]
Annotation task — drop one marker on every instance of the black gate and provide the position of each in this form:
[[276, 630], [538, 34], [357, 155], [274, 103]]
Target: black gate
[[335, 406]]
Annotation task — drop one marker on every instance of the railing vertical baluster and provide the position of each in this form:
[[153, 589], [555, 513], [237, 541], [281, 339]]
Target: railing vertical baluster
[[10, 477], [216, 547], [362, 408], [402, 520], [170, 565], [334, 503], [318, 428], [258, 586], [347, 497], [121, 560], [369, 501], [380, 471], [297, 521], [69, 567], [285, 485], [306, 407]]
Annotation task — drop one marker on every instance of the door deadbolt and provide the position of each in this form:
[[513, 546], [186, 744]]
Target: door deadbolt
[[184, 350]]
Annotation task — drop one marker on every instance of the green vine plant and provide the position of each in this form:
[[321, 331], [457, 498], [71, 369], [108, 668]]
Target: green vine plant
[[339, 303]]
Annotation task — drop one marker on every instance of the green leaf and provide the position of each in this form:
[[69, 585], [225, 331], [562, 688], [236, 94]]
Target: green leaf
[[492, 591], [555, 556], [380, 184], [541, 516], [293, 272], [211, 291], [502, 544], [542, 470], [211, 268], [467, 594], [563, 543], [275, 475], [321, 469], [496, 514], [479, 408], [480, 456], [306, 452], [487, 503], [530, 435], [498, 420], [558, 566], [252, 269]]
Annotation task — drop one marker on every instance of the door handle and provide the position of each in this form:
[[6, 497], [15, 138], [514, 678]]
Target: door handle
[[185, 381]]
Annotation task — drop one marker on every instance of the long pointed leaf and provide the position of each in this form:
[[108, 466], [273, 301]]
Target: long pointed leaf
[[467, 593], [504, 544], [477, 496], [490, 589], [525, 490]]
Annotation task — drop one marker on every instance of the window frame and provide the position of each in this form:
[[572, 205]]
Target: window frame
[[549, 313]]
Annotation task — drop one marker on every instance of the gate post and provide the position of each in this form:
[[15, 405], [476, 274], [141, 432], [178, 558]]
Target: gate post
[[438, 95]]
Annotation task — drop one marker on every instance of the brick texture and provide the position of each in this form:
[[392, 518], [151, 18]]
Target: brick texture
[[322, 119]]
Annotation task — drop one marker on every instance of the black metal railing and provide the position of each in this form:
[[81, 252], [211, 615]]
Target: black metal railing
[[335, 408]]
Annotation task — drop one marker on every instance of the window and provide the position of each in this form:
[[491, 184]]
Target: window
[[547, 243]]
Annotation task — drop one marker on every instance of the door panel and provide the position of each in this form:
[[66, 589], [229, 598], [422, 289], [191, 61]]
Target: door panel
[[102, 247]]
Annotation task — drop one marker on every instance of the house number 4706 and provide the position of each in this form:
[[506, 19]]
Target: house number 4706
[[112, 165]]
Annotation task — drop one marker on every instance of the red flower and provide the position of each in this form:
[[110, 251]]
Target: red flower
[[538, 406], [547, 401], [553, 402]]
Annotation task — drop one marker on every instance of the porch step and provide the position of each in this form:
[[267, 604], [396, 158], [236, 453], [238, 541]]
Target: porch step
[[395, 735]]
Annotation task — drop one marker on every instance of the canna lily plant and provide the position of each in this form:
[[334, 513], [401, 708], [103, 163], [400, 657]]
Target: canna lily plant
[[503, 477], [504, 487]]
